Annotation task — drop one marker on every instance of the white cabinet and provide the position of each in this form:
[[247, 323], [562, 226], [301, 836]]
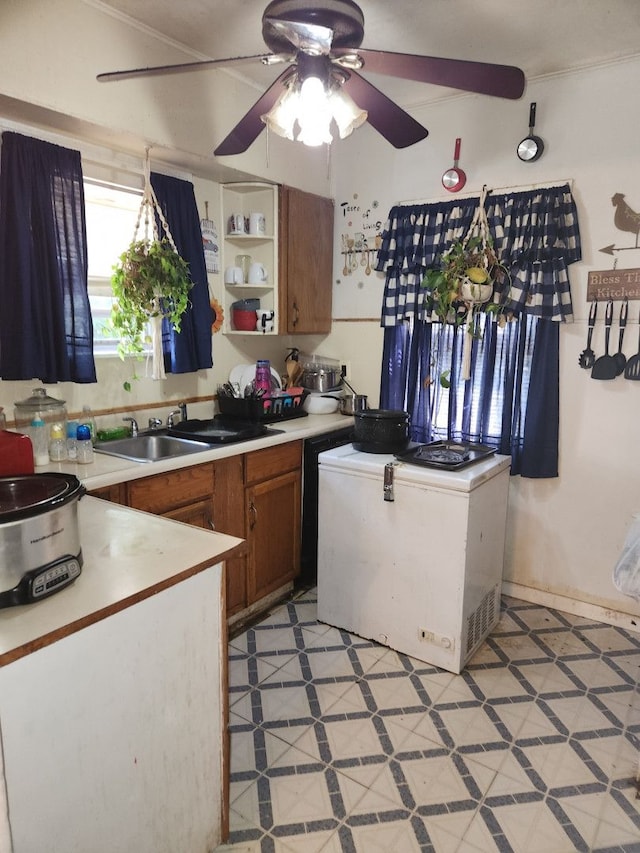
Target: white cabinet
[[241, 200]]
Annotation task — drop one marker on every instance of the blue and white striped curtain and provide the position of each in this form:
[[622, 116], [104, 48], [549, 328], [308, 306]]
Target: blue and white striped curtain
[[535, 235], [511, 402]]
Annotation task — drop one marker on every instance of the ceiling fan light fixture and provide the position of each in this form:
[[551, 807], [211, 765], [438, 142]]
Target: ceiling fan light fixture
[[314, 113], [346, 113], [282, 116]]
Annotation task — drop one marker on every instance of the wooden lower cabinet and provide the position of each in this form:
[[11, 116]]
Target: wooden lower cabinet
[[255, 496], [273, 534], [228, 512], [117, 493]]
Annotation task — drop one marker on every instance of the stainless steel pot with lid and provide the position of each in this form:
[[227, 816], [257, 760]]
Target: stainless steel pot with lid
[[40, 551]]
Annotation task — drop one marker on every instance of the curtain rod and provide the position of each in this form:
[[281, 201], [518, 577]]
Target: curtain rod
[[496, 190]]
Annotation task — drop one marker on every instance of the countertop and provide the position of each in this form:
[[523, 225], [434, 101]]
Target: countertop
[[108, 470], [128, 556]]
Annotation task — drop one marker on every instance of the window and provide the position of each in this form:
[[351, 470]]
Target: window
[[111, 215]]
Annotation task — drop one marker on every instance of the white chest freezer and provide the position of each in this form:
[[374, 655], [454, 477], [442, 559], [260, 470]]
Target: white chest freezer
[[416, 566]]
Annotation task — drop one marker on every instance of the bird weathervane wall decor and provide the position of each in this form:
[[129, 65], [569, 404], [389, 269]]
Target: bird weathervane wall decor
[[618, 283]]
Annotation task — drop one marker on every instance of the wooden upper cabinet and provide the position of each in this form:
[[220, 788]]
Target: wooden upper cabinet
[[305, 262]]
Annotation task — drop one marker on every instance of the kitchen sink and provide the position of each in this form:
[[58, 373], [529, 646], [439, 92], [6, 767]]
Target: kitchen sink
[[187, 437], [150, 447]]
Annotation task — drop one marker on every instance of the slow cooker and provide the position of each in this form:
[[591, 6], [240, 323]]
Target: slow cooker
[[40, 550]]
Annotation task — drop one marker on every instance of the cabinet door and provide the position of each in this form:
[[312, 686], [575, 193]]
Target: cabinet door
[[197, 514], [273, 519], [306, 262]]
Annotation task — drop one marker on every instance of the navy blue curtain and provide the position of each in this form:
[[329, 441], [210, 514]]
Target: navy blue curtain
[[189, 349], [511, 401], [46, 330]]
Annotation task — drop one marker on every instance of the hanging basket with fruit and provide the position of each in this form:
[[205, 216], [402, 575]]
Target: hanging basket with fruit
[[470, 276]]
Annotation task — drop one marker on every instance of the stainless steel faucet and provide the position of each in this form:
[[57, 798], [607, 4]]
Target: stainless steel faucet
[[181, 410], [134, 425], [155, 423]]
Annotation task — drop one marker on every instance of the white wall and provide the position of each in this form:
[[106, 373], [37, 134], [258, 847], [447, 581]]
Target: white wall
[[564, 535]]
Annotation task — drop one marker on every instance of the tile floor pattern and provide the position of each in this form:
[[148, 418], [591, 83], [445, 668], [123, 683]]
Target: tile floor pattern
[[339, 744]]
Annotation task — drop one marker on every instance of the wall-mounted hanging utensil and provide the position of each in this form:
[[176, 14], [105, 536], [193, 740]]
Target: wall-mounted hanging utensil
[[587, 356], [621, 359], [632, 370], [454, 179], [531, 147], [605, 366]]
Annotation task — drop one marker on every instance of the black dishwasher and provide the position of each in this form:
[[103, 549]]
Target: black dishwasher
[[309, 548]]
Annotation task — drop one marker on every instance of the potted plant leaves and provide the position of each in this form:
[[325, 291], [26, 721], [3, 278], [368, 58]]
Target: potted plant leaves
[[151, 281], [470, 279]]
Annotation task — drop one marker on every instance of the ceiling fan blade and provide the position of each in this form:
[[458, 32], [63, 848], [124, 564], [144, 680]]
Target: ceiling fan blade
[[390, 120], [503, 81], [251, 125], [311, 38], [158, 70]]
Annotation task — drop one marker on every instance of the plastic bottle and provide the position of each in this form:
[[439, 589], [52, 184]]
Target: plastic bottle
[[39, 442], [84, 445], [72, 429], [3, 419], [89, 420], [57, 443], [263, 375]]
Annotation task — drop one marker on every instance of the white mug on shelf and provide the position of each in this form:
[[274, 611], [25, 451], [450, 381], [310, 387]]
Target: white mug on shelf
[[233, 275], [237, 224], [257, 274], [264, 320], [257, 224]]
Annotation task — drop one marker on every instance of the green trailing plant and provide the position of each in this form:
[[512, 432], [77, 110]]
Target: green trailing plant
[[150, 281], [470, 279], [469, 270]]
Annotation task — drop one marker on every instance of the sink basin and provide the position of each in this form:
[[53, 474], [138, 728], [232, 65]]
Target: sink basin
[[150, 447]]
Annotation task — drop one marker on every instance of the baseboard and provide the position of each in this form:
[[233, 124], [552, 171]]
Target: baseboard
[[239, 621], [570, 605]]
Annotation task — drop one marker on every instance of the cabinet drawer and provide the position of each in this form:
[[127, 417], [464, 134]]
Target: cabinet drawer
[[272, 461], [117, 493], [164, 492]]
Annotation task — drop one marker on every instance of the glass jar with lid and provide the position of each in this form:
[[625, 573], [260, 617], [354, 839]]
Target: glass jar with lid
[[39, 405]]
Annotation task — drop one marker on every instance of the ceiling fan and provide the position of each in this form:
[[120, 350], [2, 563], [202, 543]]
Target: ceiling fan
[[322, 40]]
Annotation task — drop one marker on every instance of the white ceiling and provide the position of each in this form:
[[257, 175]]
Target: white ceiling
[[542, 37]]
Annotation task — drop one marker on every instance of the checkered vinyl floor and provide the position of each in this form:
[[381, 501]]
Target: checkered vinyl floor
[[339, 744]]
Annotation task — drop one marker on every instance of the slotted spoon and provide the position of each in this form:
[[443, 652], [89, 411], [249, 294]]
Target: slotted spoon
[[632, 370], [587, 356]]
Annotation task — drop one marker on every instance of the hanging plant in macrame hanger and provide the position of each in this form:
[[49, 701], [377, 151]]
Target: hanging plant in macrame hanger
[[150, 281]]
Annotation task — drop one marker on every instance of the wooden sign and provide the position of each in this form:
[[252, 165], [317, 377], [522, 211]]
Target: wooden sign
[[603, 285]]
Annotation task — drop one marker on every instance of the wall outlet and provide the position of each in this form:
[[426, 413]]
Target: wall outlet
[[427, 636]]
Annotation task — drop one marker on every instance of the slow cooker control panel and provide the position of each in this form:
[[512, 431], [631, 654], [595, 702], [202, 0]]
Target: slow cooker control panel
[[43, 581], [46, 581]]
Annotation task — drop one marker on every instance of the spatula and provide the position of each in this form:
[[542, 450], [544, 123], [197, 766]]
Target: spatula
[[632, 370], [587, 357], [605, 366]]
